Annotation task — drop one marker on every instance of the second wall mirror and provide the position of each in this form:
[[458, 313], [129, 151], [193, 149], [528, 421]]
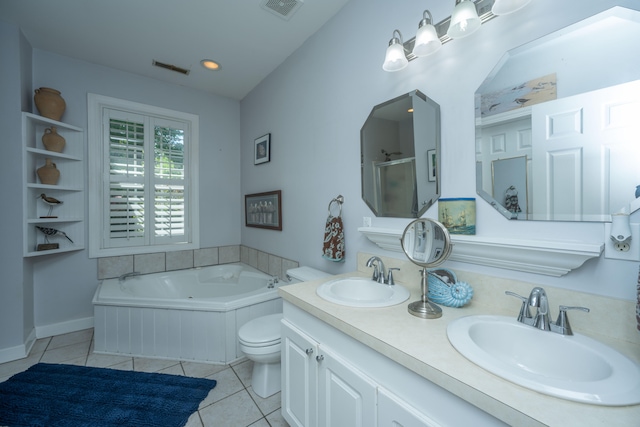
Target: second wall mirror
[[400, 149], [557, 123]]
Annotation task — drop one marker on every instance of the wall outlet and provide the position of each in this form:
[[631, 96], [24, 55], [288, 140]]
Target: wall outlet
[[366, 221], [624, 251]]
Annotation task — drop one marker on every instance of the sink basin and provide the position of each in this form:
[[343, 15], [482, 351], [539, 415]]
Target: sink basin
[[362, 292], [570, 367]]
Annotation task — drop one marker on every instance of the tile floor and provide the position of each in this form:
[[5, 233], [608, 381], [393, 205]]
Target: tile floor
[[232, 403]]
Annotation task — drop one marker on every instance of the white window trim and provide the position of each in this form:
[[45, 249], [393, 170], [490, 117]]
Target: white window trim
[[96, 105]]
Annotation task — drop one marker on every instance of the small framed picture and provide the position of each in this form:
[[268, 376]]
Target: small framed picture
[[262, 153], [432, 165], [264, 210]]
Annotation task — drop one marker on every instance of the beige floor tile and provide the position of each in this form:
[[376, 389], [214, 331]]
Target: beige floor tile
[[143, 364], [244, 370], [266, 405], [83, 336], [202, 370], [275, 419], [66, 353], [107, 360], [236, 410], [260, 423], [228, 384]]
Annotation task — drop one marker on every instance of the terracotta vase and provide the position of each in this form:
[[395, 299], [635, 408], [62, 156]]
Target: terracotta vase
[[49, 103], [52, 140], [49, 173]]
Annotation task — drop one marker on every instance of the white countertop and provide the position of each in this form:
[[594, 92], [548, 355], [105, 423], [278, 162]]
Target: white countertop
[[422, 346]]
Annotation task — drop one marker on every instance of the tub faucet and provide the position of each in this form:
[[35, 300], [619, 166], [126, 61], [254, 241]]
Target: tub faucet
[[378, 269], [272, 283], [125, 276]]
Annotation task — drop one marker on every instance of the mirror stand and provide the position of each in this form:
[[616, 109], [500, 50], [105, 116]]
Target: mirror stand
[[425, 308], [426, 243]]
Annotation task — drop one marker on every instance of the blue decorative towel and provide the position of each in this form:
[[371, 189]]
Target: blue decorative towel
[[333, 247], [79, 396]]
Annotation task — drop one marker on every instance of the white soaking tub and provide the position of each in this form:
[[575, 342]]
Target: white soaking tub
[[189, 315]]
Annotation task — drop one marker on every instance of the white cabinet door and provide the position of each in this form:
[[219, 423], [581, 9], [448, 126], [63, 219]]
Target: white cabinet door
[[299, 377], [393, 412], [346, 397]]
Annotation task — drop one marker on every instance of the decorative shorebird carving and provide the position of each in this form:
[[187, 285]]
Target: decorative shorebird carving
[[51, 201], [50, 232]]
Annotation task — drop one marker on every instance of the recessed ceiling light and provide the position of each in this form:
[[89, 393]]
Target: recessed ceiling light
[[210, 64]]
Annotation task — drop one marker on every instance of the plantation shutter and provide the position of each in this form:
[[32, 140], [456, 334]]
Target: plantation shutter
[[145, 180]]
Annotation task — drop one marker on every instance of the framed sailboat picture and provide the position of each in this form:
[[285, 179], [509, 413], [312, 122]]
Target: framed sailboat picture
[[458, 215]]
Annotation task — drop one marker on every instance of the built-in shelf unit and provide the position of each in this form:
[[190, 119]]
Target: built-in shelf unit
[[68, 217]]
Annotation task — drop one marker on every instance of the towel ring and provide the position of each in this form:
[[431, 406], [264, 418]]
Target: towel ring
[[339, 200]]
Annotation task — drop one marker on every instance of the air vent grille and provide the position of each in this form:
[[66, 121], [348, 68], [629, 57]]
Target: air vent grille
[[282, 8], [171, 67]]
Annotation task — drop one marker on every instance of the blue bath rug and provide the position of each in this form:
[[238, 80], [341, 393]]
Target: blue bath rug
[[76, 396]]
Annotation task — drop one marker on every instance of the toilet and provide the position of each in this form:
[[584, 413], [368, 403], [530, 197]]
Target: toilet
[[260, 340]]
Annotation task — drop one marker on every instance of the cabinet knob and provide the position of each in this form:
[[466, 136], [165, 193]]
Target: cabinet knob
[[309, 351], [319, 358]]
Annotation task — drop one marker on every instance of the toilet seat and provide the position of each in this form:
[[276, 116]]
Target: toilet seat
[[261, 332]]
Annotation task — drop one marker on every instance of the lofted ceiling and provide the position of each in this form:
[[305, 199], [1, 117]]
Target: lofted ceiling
[[248, 41]]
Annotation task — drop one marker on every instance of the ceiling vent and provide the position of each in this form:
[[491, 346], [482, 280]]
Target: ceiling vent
[[171, 67], [282, 8]]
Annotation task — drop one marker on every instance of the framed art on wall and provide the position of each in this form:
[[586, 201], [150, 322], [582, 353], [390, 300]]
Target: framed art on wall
[[264, 210], [262, 151]]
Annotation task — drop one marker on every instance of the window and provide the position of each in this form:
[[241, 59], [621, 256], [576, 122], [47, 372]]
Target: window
[[142, 177]]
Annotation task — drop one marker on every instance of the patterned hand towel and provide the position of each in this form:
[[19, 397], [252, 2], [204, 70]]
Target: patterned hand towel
[[333, 247]]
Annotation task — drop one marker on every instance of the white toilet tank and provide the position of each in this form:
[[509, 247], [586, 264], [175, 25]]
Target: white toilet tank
[[305, 274]]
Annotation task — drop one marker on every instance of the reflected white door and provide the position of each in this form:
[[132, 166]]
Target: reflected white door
[[586, 150]]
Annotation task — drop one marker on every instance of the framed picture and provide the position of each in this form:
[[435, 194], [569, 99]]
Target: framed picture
[[263, 210], [458, 215], [262, 152], [431, 164]]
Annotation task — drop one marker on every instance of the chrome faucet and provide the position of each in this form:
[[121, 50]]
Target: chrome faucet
[[125, 276], [378, 269], [538, 299]]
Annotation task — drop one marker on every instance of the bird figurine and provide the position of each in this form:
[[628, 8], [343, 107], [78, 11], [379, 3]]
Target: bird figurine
[[49, 232], [51, 201]]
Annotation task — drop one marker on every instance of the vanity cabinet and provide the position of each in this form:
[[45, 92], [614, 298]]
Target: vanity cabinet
[[67, 217], [331, 379], [321, 388]]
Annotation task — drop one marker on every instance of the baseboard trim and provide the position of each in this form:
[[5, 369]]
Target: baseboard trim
[[20, 351], [53, 329]]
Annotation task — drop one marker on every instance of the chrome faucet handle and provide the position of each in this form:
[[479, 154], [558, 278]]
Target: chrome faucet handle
[[524, 309], [390, 280], [563, 321]]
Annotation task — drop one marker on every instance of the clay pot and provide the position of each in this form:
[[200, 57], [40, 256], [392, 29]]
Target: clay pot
[[52, 140], [49, 103], [49, 173]]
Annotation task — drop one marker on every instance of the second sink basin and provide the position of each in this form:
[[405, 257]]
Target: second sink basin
[[571, 367], [362, 292]]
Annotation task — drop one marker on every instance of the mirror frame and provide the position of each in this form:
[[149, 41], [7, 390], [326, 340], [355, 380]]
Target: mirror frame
[[421, 166]]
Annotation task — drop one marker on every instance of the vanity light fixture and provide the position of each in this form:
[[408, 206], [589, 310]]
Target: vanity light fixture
[[467, 17], [210, 64], [395, 59], [464, 20], [427, 40], [505, 7]]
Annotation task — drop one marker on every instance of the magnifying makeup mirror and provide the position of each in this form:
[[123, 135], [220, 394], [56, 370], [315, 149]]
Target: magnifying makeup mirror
[[426, 243]]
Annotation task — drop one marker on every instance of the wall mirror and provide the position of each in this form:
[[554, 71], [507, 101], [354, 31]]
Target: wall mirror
[[557, 123], [426, 243], [399, 148]]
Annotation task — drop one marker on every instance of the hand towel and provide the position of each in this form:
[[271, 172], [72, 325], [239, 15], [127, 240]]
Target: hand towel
[[333, 248]]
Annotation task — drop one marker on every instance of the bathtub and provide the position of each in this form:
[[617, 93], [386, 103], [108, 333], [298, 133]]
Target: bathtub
[[190, 315]]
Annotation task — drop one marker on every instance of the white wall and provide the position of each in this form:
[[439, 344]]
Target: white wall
[[65, 283], [315, 103]]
